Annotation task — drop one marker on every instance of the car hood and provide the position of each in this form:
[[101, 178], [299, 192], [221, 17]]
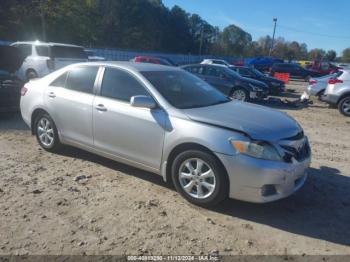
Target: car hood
[[258, 122], [254, 82], [272, 79], [10, 58]]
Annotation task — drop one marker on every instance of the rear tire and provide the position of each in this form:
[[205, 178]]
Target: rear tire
[[46, 133], [344, 106], [31, 74], [200, 178]]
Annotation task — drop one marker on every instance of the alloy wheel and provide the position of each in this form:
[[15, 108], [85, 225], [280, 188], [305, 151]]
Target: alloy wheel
[[346, 106], [197, 178], [45, 132], [239, 94]]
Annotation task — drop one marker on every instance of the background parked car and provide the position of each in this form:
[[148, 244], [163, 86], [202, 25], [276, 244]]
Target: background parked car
[[215, 62], [323, 67], [92, 56], [43, 58], [151, 60], [262, 63], [295, 71], [229, 82], [318, 85], [338, 92], [10, 84], [276, 86]]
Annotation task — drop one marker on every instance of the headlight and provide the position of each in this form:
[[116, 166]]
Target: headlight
[[257, 149], [255, 88]]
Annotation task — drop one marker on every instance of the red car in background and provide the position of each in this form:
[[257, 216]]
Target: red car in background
[[323, 68], [152, 60]]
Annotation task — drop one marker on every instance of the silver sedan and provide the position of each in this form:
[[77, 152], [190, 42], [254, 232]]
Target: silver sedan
[[167, 121]]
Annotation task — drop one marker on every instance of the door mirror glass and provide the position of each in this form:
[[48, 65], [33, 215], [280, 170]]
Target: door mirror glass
[[143, 101]]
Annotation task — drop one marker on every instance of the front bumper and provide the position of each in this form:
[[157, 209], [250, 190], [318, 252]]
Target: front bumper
[[261, 181], [330, 99], [258, 94]]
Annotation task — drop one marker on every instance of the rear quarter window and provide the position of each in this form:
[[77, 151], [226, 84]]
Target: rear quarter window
[[42, 50], [68, 52]]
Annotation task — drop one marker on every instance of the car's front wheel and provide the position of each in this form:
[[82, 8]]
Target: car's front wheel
[[200, 178], [344, 106], [46, 133], [240, 94]]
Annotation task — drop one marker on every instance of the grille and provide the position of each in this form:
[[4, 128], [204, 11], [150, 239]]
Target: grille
[[299, 154]]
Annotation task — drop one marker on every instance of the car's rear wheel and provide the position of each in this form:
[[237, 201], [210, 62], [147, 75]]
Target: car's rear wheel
[[46, 133], [31, 74], [200, 178], [344, 106], [240, 94]]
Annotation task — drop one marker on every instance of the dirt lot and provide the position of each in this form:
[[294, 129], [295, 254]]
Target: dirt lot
[[46, 208]]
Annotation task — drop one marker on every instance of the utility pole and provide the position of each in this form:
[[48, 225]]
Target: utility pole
[[43, 22], [273, 35], [201, 41]]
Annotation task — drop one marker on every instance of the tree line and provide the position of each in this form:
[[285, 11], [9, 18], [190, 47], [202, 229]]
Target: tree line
[[140, 25]]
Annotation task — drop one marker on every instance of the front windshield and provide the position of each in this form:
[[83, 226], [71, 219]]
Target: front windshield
[[257, 72], [184, 90]]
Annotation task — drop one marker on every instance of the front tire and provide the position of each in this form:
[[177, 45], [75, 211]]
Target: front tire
[[344, 106], [240, 94], [200, 178], [46, 133]]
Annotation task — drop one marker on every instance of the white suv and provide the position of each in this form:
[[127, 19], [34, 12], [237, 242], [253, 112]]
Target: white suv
[[215, 62], [43, 58]]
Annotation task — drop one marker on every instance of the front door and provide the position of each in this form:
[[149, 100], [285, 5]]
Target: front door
[[136, 134]]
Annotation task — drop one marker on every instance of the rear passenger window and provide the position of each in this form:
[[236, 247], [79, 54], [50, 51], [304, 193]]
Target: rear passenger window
[[120, 85], [26, 50], [82, 79], [60, 81]]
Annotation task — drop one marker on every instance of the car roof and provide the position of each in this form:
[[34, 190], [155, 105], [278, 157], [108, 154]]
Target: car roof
[[45, 43], [132, 66]]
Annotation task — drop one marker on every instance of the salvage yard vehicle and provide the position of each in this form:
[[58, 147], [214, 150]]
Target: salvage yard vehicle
[[151, 60], [229, 82], [318, 85], [167, 121], [276, 86], [338, 92], [42, 58], [295, 71], [10, 85], [215, 62]]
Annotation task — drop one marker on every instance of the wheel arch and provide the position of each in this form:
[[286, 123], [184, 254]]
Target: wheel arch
[[184, 147], [346, 94], [37, 112]]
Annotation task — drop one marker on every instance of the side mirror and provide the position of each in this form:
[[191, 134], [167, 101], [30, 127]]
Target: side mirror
[[143, 101]]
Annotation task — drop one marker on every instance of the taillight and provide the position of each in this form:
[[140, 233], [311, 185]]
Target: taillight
[[334, 81], [24, 91], [313, 82], [50, 64]]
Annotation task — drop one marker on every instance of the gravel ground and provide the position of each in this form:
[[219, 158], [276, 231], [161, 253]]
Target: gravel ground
[[79, 203]]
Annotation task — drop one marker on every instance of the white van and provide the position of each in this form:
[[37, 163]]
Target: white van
[[43, 58]]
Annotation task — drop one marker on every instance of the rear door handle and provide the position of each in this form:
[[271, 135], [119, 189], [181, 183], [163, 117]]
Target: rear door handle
[[101, 107], [52, 94]]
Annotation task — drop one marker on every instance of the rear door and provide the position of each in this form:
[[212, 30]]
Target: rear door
[[69, 101], [66, 55]]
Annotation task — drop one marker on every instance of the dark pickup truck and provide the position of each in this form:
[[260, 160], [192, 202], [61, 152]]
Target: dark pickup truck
[[10, 84]]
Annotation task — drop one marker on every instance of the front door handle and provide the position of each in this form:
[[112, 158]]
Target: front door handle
[[52, 95], [101, 107]]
